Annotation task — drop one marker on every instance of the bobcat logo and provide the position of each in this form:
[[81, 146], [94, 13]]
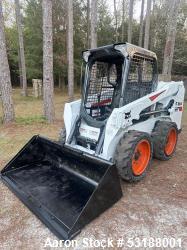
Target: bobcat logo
[[128, 115]]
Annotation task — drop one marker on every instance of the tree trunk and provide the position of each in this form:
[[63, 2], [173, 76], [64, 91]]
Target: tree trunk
[[130, 21], [48, 82], [59, 81], [116, 21], [141, 24], [123, 21], [93, 24], [153, 39], [20, 72], [88, 23], [147, 24], [23, 76], [170, 39], [5, 82], [70, 51]]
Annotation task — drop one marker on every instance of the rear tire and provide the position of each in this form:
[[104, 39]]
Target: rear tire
[[165, 136], [62, 137], [133, 155]]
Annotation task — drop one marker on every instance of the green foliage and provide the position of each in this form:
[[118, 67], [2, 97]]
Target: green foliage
[[12, 49], [180, 55], [30, 120], [105, 31], [105, 26], [59, 39], [33, 38], [158, 32], [80, 36]]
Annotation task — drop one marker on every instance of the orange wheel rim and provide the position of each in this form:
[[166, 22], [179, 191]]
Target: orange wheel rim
[[141, 157], [171, 141]]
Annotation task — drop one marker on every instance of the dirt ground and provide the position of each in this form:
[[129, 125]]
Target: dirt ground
[[155, 207]]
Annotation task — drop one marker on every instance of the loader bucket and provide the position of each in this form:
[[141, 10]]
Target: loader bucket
[[66, 189]]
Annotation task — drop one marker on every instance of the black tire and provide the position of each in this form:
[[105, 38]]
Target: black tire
[[62, 137], [160, 135], [125, 153]]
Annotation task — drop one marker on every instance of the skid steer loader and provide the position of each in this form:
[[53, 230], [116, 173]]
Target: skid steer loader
[[124, 118]]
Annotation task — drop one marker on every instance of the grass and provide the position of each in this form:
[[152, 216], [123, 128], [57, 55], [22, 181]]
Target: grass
[[29, 121], [30, 109]]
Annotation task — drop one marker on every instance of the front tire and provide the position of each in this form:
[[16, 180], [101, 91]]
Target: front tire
[[133, 155], [165, 136]]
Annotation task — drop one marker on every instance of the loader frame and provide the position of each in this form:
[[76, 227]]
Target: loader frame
[[140, 105], [114, 51], [70, 182]]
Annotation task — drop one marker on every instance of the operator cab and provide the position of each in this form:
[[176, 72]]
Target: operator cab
[[116, 75], [103, 83]]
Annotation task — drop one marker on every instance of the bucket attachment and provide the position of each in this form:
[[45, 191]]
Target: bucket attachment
[[66, 189]]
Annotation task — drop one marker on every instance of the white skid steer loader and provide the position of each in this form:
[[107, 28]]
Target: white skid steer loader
[[124, 118]]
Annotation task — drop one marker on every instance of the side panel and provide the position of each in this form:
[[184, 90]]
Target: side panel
[[71, 111], [88, 131], [121, 119]]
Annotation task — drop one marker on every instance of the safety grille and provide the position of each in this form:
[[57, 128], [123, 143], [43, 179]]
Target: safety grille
[[140, 78], [99, 91]]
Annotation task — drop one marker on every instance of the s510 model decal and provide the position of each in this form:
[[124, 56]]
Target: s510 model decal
[[180, 109], [180, 106]]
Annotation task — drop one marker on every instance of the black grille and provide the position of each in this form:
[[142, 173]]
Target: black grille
[[100, 92], [140, 78]]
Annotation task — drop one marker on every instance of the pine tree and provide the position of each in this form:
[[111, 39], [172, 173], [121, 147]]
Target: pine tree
[[5, 82], [147, 24], [130, 21], [141, 24], [48, 83], [116, 21], [23, 77], [93, 24], [170, 39], [70, 50], [88, 23], [123, 20]]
